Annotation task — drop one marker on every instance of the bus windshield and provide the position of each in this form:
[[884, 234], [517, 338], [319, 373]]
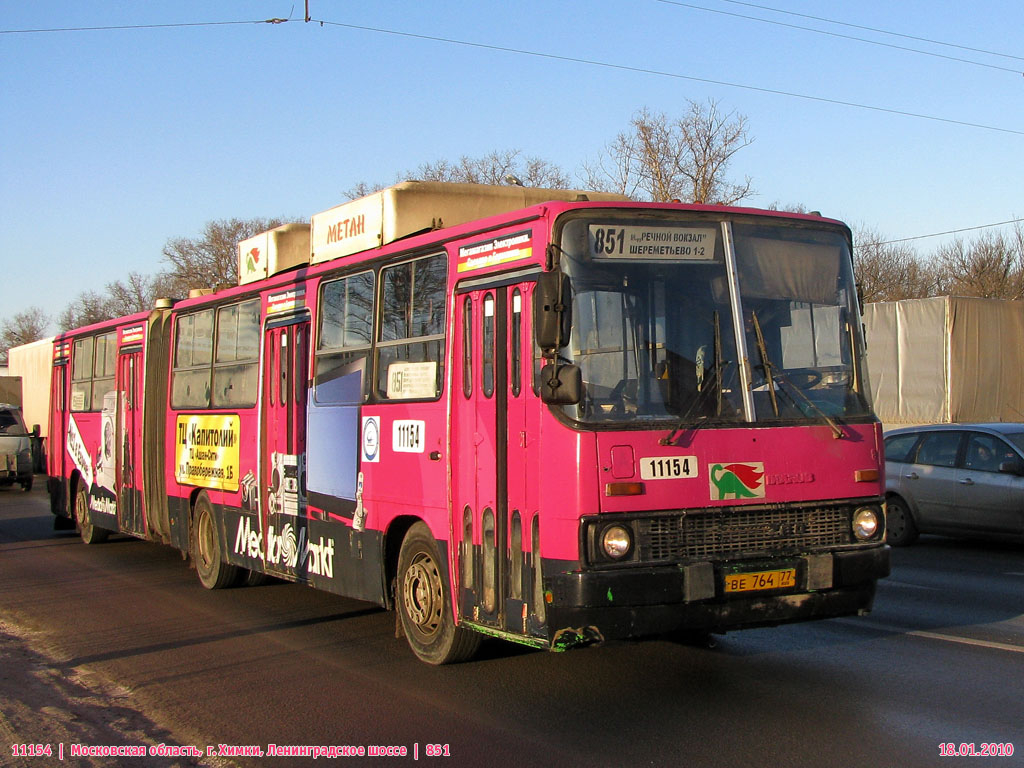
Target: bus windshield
[[666, 310]]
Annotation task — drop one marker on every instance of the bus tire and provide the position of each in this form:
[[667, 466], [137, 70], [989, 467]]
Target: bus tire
[[90, 533], [61, 523], [214, 572], [900, 530], [424, 602], [255, 578]]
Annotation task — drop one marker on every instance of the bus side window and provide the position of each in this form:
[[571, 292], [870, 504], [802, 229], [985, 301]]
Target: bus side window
[[236, 363], [467, 347], [193, 355], [103, 372], [467, 548], [81, 375], [536, 358], [410, 345], [516, 556], [487, 338], [343, 339], [517, 342], [285, 364], [92, 372]]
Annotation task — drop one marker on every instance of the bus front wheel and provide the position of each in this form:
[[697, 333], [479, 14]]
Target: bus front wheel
[[424, 602], [89, 532], [214, 572]]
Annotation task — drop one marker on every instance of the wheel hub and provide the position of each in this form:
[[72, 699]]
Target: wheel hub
[[422, 593]]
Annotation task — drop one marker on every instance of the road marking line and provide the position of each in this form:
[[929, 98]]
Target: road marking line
[[907, 585], [938, 636], [969, 641]]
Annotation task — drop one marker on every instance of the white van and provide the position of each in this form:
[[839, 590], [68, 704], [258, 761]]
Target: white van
[[15, 448]]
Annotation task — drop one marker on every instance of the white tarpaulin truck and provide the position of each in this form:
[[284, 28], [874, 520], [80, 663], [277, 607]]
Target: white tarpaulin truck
[[946, 359], [32, 363]]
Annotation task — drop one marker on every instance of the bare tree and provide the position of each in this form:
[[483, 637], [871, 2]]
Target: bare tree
[[498, 167], [507, 166], [889, 271], [992, 266], [205, 262], [789, 207], [137, 293], [686, 158], [211, 259], [23, 328], [87, 308], [362, 189]]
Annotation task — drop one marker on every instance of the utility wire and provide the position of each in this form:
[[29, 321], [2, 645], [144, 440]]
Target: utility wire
[[940, 234], [143, 26], [627, 68], [552, 56], [876, 29], [661, 73], [844, 37]]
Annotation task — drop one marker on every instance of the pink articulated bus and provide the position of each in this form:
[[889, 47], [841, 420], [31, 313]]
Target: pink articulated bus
[[552, 417]]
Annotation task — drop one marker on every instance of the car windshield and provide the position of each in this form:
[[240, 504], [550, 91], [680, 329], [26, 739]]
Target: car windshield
[[11, 423], [660, 327]]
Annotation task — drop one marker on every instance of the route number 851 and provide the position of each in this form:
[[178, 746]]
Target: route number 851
[[610, 241]]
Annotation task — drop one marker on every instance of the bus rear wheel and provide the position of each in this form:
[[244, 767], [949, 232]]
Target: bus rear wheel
[[90, 533], [214, 572], [424, 602]]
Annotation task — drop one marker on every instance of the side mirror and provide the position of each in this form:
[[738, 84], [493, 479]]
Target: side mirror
[[561, 384], [552, 311], [1012, 467]]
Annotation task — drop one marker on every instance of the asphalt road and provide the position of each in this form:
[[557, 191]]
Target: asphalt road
[[118, 645]]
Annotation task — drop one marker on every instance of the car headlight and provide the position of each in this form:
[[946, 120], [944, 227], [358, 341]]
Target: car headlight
[[616, 541], [867, 523]]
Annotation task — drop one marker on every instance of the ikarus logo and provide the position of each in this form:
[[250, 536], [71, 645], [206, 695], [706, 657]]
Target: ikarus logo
[[738, 480]]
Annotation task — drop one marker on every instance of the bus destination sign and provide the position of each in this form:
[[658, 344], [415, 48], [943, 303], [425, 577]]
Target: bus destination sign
[[632, 242]]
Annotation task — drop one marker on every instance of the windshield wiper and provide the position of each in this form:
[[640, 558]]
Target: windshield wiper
[[770, 372], [705, 387]]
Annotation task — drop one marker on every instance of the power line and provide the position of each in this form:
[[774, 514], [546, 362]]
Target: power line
[[940, 234], [841, 36], [552, 56], [876, 29], [661, 73], [142, 26]]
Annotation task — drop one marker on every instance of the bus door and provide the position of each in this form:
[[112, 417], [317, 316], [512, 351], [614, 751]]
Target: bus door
[[128, 433], [283, 445], [491, 441], [56, 436]]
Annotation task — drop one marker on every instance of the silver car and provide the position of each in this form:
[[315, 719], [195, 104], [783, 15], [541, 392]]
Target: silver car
[[15, 449], [955, 480]]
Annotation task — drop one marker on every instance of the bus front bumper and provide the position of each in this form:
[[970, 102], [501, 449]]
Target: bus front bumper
[[591, 606]]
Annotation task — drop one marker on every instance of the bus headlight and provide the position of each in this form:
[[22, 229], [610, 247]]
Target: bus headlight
[[867, 522], [616, 541]]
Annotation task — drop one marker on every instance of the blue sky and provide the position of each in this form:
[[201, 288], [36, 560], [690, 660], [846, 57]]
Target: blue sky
[[113, 142]]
